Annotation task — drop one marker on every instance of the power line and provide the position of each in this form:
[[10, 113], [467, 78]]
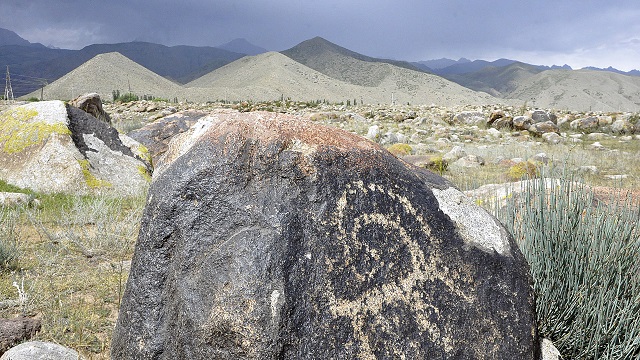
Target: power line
[[8, 91]]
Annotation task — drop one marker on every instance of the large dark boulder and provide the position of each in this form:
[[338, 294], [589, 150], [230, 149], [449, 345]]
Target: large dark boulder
[[268, 237]]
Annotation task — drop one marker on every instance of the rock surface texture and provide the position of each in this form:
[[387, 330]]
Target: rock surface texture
[[50, 147], [268, 237], [156, 135], [40, 350], [92, 104]]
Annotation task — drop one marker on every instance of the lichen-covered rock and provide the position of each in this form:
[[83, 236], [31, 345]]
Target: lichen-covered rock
[[49, 147], [268, 237]]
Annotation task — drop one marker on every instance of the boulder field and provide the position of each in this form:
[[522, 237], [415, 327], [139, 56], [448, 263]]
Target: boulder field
[[269, 237]]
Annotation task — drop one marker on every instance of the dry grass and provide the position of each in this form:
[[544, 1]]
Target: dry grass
[[74, 261]]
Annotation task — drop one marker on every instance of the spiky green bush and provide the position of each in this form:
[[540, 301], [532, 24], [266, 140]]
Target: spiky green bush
[[585, 262]]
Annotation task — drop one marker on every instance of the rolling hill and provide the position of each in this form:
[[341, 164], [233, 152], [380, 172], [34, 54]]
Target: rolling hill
[[108, 72]]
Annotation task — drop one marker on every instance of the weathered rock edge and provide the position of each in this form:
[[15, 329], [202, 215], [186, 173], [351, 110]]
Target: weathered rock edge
[[274, 238]]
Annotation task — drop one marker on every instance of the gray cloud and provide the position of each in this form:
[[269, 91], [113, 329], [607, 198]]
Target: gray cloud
[[585, 32]]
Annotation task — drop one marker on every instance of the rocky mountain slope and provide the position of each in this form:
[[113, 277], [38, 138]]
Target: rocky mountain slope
[[341, 63], [583, 90], [273, 75]]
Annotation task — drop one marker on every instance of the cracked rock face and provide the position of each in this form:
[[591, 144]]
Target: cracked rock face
[[267, 237]]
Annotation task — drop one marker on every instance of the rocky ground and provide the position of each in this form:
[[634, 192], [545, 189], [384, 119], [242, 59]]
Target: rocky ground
[[471, 145]]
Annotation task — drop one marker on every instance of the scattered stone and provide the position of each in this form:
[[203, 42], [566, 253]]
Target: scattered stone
[[503, 123], [605, 120], [373, 133], [540, 128], [271, 237], [587, 169], [15, 330], [433, 162], [469, 118], [622, 127], [17, 199], [40, 350], [596, 145], [469, 161], [92, 104], [494, 133], [539, 116], [540, 158], [597, 136], [521, 122], [454, 154], [617, 177], [588, 123], [549, 351], [552, 138]]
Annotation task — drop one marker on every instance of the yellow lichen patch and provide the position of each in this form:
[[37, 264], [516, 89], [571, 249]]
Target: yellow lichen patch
[[145, 173], [17, 133], [92, 181], [144, 154]]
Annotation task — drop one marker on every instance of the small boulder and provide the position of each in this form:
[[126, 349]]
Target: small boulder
[[622, 127], [589, 123], [540, 128], [521, 122], [538, 116], [454, 154], [469, 118], [469, 161], [40, 350], [552, 138], [92, 104]]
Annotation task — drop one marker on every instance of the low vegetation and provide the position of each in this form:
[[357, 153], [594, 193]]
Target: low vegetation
[[66, 262], [584, 256]]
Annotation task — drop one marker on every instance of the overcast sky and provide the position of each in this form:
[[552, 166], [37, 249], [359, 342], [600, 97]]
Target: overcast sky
[[577, 32]]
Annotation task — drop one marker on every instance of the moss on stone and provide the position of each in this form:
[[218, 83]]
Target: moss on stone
[[144, 154], [144, 172], [17, 133], [89, 178]]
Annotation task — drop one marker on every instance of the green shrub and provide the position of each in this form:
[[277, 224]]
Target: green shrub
[[128, 97], [33, 99], [400, 149], [584, 259]]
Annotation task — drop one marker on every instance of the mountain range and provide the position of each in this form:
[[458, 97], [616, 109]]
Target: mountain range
[[315, 69]]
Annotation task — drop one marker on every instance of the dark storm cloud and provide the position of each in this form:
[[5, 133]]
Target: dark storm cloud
[[580, 33]]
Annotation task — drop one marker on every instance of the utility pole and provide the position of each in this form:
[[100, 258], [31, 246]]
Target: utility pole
[[8, 91]]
